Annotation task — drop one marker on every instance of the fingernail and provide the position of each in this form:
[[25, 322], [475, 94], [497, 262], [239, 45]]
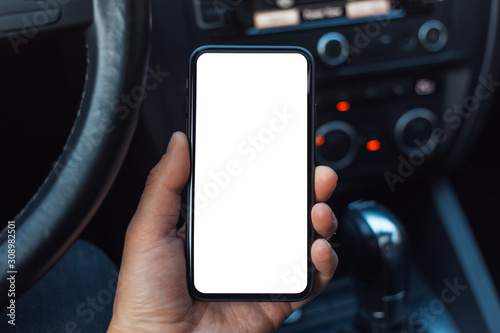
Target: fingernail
[[335, 221], [171, 142]]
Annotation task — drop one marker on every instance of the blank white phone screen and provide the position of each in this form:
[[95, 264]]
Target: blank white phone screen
[[250, 216]]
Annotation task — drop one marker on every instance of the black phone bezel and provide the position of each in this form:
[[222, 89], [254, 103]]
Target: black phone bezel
[[191, 130]]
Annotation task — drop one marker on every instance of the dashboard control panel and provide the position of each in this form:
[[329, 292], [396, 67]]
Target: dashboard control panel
[[384, 69]]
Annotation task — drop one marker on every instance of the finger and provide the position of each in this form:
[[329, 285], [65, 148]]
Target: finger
[[325, 181], [158, 210], [324, 220], [325, 261]]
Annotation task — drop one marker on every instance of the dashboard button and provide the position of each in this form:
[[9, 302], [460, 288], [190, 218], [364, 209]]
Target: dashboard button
[[417, 131], [333, 48], [414, 129], [433, 35], [338, 145]]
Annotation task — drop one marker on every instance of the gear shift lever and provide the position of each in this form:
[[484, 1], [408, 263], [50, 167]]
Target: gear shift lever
[[377, 245]]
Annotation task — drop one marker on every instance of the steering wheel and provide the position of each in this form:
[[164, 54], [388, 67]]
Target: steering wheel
[[118, 41]]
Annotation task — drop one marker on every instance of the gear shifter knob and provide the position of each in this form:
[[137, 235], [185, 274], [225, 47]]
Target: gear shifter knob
[[377, 246]]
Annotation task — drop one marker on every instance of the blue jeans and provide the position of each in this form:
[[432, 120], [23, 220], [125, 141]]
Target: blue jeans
[[75, 296]]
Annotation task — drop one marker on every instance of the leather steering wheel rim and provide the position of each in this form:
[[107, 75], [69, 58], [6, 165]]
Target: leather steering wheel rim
[[118, 53]]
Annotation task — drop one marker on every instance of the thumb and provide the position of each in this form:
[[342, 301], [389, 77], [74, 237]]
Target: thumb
[[152, 270], [158, 211]]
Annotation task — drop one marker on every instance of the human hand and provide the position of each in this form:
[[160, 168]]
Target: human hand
[[152, 293]]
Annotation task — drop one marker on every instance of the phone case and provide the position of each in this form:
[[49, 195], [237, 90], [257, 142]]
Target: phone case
[[310, 145]]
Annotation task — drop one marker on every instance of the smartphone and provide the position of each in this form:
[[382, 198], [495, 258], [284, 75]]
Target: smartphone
[[251, 131]]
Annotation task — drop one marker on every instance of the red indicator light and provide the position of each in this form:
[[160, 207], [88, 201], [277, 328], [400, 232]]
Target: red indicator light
[[320, 140], [373, 145], [343, 106]]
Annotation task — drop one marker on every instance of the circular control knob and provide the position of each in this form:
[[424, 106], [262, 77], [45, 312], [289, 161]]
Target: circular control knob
[[338, 147], [333, 48], [433, 35], [414, 129]]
